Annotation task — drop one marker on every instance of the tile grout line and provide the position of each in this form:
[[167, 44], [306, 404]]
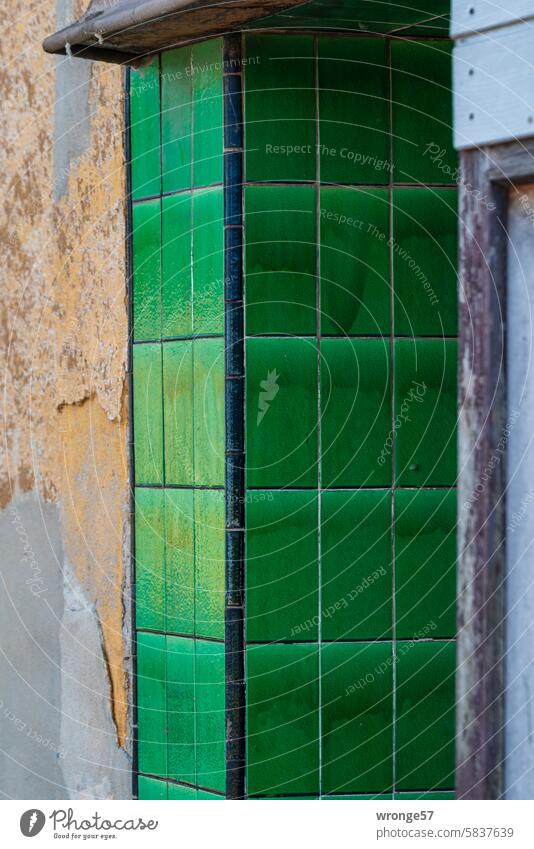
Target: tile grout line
[[319, 435], [163, 470], [392, 370], [193, 470]]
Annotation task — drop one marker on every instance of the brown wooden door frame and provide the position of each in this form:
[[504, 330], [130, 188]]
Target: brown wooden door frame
[[488, 174]]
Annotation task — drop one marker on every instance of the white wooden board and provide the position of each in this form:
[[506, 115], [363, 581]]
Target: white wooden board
[[473, 16], [493, 78]]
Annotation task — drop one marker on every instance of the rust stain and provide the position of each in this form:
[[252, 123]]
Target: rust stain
[[63, 324]]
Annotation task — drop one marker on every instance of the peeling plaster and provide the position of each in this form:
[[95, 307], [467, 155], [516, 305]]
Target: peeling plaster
[[63, 325]]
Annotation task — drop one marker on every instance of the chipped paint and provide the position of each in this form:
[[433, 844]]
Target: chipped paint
[[63, 321]]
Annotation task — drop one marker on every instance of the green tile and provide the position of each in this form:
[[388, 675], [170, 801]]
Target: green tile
[[145, 130], [355, 412], [149, 559], [282, 570], [280, 259], [425, 405], [152, 789], [176, 118], [147, 270], [209, 797], [208, 262], [356, 598], [181, 709], [355, 289], [151, 704], [207, 112], [422, 112], [361, 796], [177, 287], [378, 16], [413, 12], [179, 561], [425, 563], [353, 110], [282, 719], [209, 563], [425, 715], [357, 710], [148, 413], [210, 720], [281, 412], [280, 134], [443, 796], [181, 793], [208, 375], [425, 246], [308, 798], [178, 405]]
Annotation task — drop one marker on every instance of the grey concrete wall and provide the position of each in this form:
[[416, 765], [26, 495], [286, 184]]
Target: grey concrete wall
[[57, 735], [519, 663]]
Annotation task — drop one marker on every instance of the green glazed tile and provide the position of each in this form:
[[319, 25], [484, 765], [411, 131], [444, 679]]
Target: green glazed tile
[[378, 16], [366, 14], [425, 563], [355, 412], [280, 133], [280, 259], [181, 793], [145, 130], [282, 570], [178, 404], [177, 287], [425, 715], [147, 270], [281, 412], [355, 289], [179, 561], [176, 115], [361, 796], [208, 262], [356, 598], [149, 559], [357, 700], [152, 788], [282, 719], [443, 796], [209, 563], [148, 414], [425, 17], [181, 709], [209, 797], [425, 243], [308, 798], [208, 112], [208, 375], [210, 721], [422, 112], [425, 404], [151, 703], [353, 110]]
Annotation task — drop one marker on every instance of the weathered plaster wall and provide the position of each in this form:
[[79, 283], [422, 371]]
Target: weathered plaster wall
[[64, 632]]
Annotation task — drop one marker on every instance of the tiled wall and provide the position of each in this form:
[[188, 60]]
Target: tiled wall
[[350, 309], [350, 321], [178, 380]]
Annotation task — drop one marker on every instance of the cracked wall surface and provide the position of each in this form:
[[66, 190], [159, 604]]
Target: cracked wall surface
[[64, 497]]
